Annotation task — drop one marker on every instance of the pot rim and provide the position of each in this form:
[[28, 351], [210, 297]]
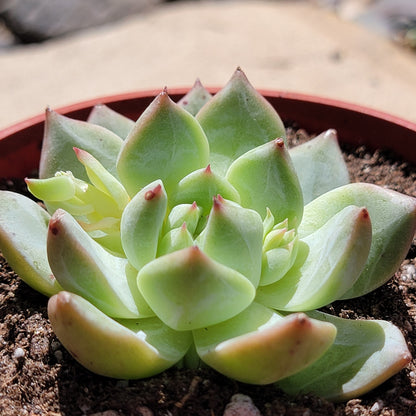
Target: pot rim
[[179, 91], [20, 143]]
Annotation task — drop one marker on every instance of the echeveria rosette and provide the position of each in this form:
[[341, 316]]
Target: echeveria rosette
[[184, 237]]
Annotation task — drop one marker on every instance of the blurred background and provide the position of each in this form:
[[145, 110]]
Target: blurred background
[[56, 52]]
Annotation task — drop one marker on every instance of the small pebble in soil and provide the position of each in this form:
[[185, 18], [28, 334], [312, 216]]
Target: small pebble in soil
[[376, 407], [241, 405], [59, 356], [18, 353], [409, 272]]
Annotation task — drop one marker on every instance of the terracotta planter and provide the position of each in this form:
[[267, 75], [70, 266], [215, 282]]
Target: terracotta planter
[[20, 147], [20, 144]]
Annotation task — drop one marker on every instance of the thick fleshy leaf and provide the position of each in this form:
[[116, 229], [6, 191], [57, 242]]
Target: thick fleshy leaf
[[276, 262], [260, 346], [82, 266], [328, 264], [233, 236], [63, 133], [141, 224], [76, 196], [201, 186], [183, 213], [127, 349], [319, 165], [265, 178], [104, 116], [174, 240], [188, 290], [195, 99], [393, 219], [364, 355], [56, 188], [102, 179], [166, 143], [23, 231], [237, 119]]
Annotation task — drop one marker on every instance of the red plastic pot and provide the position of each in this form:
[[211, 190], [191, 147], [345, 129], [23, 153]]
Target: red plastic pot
[[20, 144]]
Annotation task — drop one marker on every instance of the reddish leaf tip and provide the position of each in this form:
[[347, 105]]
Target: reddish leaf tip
[[365, 214], [53, 228], [302, 320], [55, 221], [208, 170], [279, 143], [77, 151], [218, 201], [149, 195]]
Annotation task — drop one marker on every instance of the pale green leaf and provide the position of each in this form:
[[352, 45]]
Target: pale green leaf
[[260, 346], [187, 290], [127, 349], [237, 119], [23, 232], [364, 355], [166, 143], [393, 219], [104, 116], [63, 133], [329, 262], [319, 165]]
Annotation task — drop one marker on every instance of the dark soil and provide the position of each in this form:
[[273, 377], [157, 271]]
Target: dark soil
[[39, 377]]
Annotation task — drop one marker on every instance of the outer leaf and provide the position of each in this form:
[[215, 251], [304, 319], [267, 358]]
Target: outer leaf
[[82, 266], [237, 119], [188, 290], [195, 99], [364, 355], [141, 224], [23, 231], [201, 186], [63, 133], [106, 117], [233, 236], [126, 350], [330, 261], [265, 178], [166, 143], [393, 218], [260, 346], [319, 165]]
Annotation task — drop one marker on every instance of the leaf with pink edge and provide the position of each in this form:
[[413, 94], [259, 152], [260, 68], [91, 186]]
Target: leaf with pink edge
[[237, 119], [23, 232], [393, 219], [166, 143], [187, 289], [127, 349], [260, 346], [363, 355]]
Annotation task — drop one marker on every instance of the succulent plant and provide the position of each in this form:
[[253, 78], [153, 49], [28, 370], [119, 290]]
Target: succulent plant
[[194, 236]]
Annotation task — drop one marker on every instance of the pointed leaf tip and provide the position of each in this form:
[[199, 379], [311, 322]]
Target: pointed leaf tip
[[166, 143], [187, 289], [149, 195], [279, 143]]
